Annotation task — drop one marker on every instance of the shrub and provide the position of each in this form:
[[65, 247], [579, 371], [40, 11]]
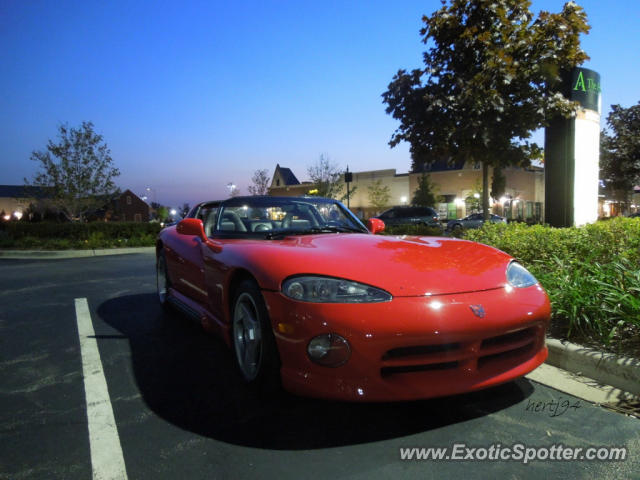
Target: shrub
[[592, 273], [49, 235]]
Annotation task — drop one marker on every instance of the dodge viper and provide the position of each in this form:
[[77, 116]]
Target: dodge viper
[[310, 298]]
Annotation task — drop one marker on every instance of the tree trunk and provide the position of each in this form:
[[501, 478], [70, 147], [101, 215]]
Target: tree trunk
[[485, 191]]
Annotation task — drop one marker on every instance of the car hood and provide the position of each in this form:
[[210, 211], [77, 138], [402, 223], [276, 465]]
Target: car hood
[[403, 266]]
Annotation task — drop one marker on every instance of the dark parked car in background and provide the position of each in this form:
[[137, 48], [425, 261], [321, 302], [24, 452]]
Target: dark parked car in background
[[410, 216], [475, 220]]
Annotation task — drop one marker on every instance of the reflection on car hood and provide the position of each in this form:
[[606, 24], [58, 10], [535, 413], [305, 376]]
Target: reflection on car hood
[[403, 266]]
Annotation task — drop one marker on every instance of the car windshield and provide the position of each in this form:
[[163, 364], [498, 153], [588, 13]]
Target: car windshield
[[274, 217]]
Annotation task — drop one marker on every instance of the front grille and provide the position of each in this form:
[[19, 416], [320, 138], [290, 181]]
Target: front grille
[[387, 371], [509, 338], [501, 357], [420, 350], [507, 349]]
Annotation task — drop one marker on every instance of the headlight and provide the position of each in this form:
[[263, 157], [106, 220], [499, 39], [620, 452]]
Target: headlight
[[318, 289], [519, 277]]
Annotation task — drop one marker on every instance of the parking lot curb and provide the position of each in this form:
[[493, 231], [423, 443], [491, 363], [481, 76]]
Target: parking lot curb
[[606, 368], [60, 254]]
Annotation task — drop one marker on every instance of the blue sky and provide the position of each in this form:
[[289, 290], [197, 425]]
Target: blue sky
[[193, 95]]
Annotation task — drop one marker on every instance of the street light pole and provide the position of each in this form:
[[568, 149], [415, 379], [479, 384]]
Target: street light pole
[[348, 178]]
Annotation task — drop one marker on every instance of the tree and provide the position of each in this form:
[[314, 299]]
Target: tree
[[492, 76], [327, 178], [473, 201], [78, 171], [424, 195], [184, 210], [379, 194], [620, 152], [162, 213], [498, 183], [260, 181]]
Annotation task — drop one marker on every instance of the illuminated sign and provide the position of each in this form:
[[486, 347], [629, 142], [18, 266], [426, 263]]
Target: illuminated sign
[[585, 88]]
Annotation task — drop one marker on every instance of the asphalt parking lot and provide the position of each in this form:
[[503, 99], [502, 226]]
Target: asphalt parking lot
[[181, 411]]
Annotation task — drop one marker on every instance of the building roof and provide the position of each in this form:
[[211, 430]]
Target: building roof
[[287, 175], [24, 191]]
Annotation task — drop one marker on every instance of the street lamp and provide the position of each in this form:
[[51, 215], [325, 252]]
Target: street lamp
[[231, 186]]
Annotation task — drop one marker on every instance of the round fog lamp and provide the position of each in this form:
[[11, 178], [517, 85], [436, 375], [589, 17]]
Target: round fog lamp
[[329, 350]]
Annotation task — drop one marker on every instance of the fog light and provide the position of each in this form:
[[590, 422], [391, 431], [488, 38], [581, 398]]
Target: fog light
[[329, 350]]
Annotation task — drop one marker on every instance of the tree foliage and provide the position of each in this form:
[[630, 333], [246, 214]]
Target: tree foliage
[[620, 151], [78, 171], [327, 178], [491, 76], [379, 194], [425, 194], [261, 182], [162, 213], [473, 202]]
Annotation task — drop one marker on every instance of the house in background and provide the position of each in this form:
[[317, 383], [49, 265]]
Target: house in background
[[128, 207], [284, 183], [15, 201]]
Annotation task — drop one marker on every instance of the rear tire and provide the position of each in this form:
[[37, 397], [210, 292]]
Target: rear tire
[[253, 341]]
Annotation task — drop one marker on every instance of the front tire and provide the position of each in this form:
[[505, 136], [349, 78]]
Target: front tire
[[162, 280], [253, 341]]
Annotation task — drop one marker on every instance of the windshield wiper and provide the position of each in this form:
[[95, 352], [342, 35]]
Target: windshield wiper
[[325, 229], [334, 229]]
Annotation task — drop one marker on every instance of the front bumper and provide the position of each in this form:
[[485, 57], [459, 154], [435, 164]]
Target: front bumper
[[413, 347]]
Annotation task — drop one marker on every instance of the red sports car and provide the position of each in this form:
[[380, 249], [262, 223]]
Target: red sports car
[[306, 295]]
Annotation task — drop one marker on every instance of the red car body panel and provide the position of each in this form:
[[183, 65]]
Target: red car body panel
[[427, 341]]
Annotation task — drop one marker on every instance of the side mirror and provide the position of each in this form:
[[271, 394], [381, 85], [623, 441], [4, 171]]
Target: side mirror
[[191, 226], [375, 225]]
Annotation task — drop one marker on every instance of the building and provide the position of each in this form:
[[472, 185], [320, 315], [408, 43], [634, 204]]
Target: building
[[457, 185], [129, 207], [284, 183], [16, 199]]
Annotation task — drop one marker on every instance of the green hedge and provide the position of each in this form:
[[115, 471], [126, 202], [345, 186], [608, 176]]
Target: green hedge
[[592, 275], [49, 235]]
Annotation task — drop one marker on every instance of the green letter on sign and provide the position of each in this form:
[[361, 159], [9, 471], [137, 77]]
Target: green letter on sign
[[580, 83]]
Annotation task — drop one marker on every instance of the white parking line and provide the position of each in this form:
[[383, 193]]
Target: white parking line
[[107, 461]]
